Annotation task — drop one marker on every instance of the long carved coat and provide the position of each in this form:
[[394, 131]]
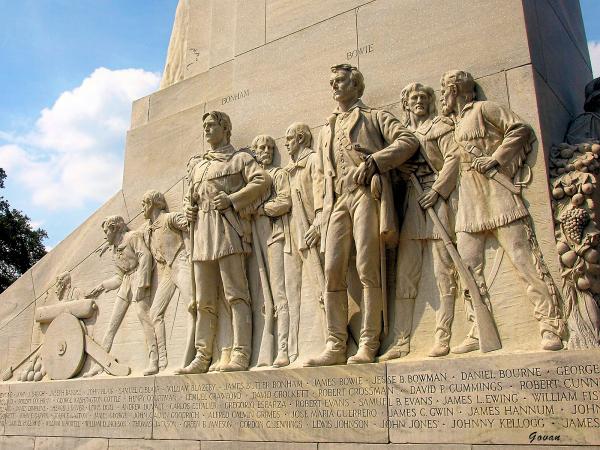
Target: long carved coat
[[439, 171], [383, 137], [484, 204], [222, 233], [306, 179]]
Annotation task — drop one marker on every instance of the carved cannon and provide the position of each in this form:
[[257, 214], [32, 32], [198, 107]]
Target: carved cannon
[[66, 341]]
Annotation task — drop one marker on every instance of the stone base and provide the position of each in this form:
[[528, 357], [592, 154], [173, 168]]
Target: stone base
[[540, 398]]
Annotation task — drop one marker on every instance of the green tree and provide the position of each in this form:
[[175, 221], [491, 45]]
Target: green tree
[[20, 245]]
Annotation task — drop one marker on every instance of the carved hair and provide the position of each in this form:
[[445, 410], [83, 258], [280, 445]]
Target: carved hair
[[465, 85], [115, 221], [156, 198], [304, 130], [64, 277], [355, 76], [222, 119], [415, 87], [264, 137]]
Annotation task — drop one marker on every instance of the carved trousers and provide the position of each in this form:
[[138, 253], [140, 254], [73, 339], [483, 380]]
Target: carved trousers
[[231, 271], [277, 281], [354, 220], [176, 276], [513, 239], [409, 268]]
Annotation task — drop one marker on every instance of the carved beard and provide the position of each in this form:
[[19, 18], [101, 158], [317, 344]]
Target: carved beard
[[446, 111]]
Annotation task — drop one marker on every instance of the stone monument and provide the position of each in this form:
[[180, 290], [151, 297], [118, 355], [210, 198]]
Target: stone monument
[[420, 265]]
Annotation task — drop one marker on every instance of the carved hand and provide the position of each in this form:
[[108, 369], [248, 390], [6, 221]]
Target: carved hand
[[221, 201], [365, 172], [192, 307], [260, 211], [312, 235], [483, 163], [428, 199], [191, 212], [140, 293], [95, 292]]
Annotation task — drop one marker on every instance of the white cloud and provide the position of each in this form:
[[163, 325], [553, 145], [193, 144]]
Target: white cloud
[[594, 47], [74, 153]]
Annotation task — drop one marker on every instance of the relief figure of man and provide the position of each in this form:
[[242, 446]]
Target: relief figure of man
[[494, 143], [306, 187], [133, 277], [435, 167], [276, 209], [166, 234], [225, 187], [356, 147]]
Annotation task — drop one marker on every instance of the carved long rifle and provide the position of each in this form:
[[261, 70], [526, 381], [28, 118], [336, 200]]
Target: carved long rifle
[[190, 349], [488, 334], [315, 259], [265, 357]]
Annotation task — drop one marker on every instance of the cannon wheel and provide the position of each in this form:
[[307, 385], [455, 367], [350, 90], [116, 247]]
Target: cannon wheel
[[63, 352]]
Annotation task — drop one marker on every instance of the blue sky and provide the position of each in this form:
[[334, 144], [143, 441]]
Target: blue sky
[[70, 70]]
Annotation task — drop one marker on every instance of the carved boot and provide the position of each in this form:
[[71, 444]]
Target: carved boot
[[198, 365], [444, 317], [371, 327], [241, 321], [336, 313], [551, 341], [206, 324], [223, 360], [402, 330], [152, 361], [470, 344], [283, 326]]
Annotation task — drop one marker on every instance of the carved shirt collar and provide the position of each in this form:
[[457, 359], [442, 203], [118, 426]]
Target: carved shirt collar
[[359, 104], [301, 161], [223, 153]]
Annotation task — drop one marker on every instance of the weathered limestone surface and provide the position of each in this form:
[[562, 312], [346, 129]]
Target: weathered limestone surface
[[57, 443], [266, 64]]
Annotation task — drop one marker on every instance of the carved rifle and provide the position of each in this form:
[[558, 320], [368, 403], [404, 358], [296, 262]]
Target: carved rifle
[[315, 259], [265, 357], [488, 334], [190, 349]]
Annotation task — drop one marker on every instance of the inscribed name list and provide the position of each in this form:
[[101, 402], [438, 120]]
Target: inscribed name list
[[334, 404], [95, 408], [537, 398]]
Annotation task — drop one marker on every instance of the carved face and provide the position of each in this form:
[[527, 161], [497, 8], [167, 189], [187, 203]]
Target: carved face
[[291, 142], [264, 151], [344, 89], [147, 207], [111, 232], [448, 99], [214, 133], [418, 103]]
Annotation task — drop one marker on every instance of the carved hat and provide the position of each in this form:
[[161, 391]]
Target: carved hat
[[592, 94]]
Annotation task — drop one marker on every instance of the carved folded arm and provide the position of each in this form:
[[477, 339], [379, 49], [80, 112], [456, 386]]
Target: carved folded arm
[[281, 203], [402, 144], [448, 175], [257, 183], [516, 133]]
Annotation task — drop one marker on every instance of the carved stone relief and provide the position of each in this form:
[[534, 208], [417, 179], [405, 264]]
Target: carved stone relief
[[574, 169], [328, 214]]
